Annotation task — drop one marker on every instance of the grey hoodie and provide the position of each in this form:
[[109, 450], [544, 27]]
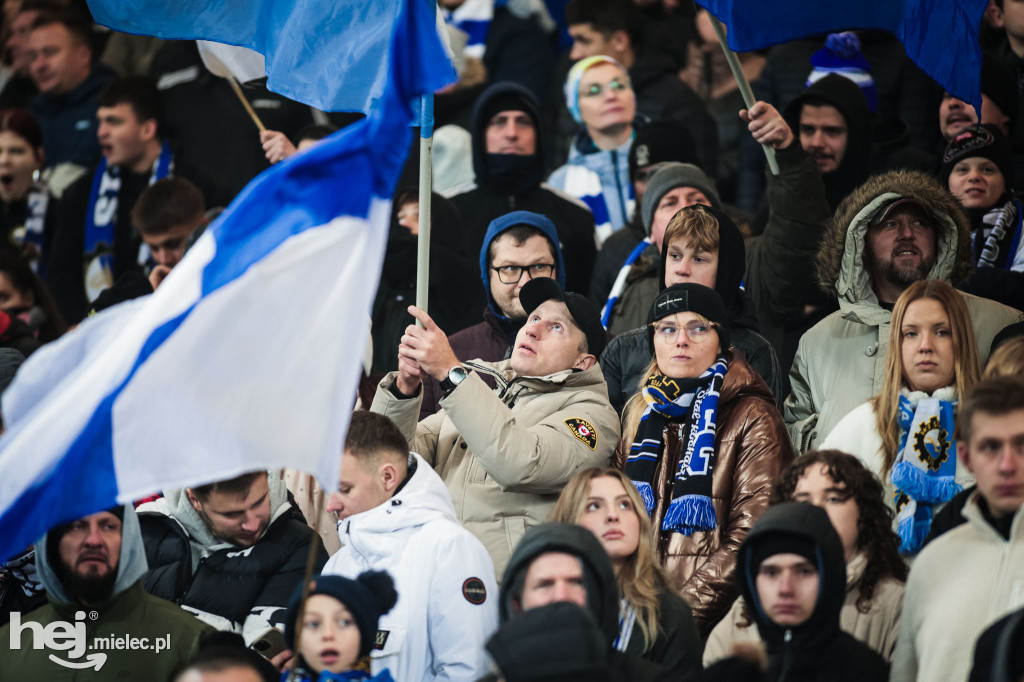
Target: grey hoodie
[[130, 568]]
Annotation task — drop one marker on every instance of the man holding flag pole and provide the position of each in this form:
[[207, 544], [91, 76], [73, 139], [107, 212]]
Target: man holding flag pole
[[190, 385]]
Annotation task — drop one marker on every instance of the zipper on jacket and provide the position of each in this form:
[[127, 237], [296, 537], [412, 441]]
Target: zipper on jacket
[[784, 665], [618, 185], [188, 587]]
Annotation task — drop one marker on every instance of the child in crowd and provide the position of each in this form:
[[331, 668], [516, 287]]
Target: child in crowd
[[339, 626]]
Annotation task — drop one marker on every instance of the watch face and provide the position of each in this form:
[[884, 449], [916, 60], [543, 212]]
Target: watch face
[[457, 374]]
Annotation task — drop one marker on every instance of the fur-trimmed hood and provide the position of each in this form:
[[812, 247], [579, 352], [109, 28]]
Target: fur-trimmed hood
[[841, 270]]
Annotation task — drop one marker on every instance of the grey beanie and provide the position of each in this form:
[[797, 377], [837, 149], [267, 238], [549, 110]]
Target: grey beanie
[[667, 177]]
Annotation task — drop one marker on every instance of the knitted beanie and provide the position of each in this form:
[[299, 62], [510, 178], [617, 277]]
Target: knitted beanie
[[842, 55], [367, 598], [659, 142], [670, 176]]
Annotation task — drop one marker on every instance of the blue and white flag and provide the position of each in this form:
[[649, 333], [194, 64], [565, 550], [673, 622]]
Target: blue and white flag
[[248, 355], [332, 55], [940, 36]]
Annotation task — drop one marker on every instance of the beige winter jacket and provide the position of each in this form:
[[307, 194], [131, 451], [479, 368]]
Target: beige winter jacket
[[840, 362], [960, 583], [878, 628], [505, 455]]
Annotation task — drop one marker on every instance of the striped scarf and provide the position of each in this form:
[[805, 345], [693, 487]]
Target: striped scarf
[[695, 403], [924, 473]]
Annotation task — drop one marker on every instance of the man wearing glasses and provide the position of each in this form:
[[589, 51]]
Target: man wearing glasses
[[600, 97], [518, 247], [505, 454]]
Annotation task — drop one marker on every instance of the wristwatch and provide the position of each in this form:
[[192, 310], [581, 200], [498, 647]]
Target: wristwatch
[[456, 375]]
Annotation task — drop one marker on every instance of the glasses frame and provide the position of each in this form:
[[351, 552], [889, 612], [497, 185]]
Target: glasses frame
[[700, 338], [525, 269]]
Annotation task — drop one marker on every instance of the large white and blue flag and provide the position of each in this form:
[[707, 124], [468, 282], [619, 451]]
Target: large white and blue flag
[[248, 355]]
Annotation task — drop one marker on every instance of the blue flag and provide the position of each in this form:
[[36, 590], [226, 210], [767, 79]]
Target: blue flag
[[333, 55], [940, 36], [248, 355]]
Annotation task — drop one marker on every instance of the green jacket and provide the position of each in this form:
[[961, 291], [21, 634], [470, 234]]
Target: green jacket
[[117, 639], [840, 362]]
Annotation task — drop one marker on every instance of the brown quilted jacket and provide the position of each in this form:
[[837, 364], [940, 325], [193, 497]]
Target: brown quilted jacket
[[751, 448]]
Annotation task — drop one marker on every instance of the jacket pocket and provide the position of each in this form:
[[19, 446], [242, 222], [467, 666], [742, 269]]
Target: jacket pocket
[[515, 529]]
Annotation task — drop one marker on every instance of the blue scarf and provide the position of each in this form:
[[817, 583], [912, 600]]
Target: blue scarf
[[620, 280], [101, 216], [924, 473], [694, 401]]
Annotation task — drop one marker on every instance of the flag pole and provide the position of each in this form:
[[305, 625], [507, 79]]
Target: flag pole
[[245, 103], [741, 81], [423, 242]]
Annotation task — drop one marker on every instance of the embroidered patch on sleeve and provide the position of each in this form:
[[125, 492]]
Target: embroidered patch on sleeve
[[584, 431], [381, 639], [474, 591]]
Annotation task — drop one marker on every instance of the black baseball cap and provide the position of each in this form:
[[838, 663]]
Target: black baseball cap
[[584, 314]]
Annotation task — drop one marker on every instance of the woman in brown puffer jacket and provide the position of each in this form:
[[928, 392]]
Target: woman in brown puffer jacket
[[702, 442]]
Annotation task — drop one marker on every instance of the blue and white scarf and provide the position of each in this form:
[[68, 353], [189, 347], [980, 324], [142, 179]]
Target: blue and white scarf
[[101, 217], [585, 184], [30, 237], [620, 281], [627, 620], [924, 473], [695, 402], [473, 17]]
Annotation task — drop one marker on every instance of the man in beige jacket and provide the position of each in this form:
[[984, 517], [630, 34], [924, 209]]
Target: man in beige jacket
[[506, 454]]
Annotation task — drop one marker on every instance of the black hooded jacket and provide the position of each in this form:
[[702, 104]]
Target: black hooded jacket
[[846, 96], [598, 579], [625, 359], [506, 183], [817, 650]]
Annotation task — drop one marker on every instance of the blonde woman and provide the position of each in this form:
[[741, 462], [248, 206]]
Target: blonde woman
[[905, 434], [702, 443], [654, 623]]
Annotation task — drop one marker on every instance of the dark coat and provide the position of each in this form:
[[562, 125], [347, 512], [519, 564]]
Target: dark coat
[[493, 195], [678, 647], [69, 121], [66, 223], [817, 650], [229, 582]]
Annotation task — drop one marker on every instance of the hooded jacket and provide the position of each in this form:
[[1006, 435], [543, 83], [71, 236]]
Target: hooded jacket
[[505, 455], [447, 595], [846, 96], [506, 183], [598, 579], [878, 628], [129, 612], [840, 362], [751, 449], [492, 339], [817, 649], [626, 357], [245, 590]]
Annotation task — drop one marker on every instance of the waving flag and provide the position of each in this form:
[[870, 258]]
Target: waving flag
[[940, 36], [248, 354], [333, 55]]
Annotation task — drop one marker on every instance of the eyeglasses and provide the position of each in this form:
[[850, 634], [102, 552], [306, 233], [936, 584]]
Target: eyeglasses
[[696, 331], [596, 89], [511, 274]]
